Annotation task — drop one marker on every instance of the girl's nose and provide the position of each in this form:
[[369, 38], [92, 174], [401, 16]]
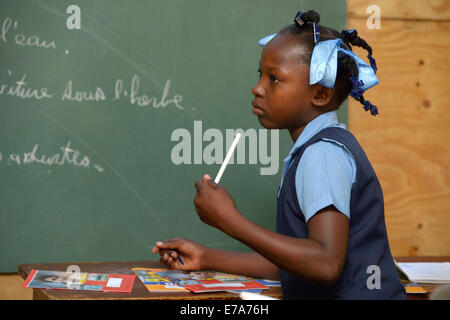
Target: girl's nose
[[258, 90]]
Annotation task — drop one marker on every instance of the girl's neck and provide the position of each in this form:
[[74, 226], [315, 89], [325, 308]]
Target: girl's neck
[[295, 133]]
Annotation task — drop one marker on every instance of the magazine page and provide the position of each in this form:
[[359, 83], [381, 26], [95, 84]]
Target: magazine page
[[62, 280]]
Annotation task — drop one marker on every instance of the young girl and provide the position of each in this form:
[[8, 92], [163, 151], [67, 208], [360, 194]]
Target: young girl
[[331, 240]]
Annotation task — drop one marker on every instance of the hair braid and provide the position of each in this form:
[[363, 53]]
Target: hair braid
[[353, 38]]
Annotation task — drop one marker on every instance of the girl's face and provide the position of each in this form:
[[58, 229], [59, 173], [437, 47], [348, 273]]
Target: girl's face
[[283, 94]]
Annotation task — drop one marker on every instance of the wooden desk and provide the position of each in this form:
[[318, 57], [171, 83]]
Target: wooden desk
[[139, 291]]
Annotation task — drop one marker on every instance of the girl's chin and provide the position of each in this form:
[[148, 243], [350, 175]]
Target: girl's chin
[[266, 124]]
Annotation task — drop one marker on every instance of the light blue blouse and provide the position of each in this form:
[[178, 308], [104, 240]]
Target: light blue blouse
[[326, 171]]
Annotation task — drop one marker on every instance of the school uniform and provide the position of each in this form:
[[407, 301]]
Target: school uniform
[[327, 166]]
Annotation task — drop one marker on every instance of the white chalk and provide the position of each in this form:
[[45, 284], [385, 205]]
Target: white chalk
[[227, 158]]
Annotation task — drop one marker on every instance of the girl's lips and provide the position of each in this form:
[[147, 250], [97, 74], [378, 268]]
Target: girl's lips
[[257, 111]]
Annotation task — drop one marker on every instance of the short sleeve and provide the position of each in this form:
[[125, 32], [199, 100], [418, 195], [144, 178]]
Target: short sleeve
[[324, 177]]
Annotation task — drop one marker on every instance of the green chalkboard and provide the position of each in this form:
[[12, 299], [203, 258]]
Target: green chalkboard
[[104, 129]]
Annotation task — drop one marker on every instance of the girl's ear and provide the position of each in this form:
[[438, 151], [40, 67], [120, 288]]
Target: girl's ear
[[322, 96]]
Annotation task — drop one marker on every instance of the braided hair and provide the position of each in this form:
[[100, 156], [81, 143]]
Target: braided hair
[[305, 30]]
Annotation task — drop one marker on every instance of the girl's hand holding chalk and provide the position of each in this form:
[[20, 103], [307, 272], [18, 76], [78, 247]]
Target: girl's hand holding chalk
[[213, 203]]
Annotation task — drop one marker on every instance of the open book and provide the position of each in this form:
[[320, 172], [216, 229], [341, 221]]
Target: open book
[[424, 272]]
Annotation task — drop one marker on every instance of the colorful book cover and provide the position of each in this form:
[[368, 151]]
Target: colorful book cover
[[46, 279], [269, 283], [210, 281], [156, 283]]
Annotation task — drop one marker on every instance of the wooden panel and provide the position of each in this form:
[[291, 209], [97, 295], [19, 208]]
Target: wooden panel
[[11, 288], [408, 143], [402, 9]]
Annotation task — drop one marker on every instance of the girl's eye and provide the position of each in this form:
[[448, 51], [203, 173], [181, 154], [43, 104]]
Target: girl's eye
[[274, 79]]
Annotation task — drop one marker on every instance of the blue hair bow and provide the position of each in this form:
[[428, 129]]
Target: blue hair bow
[[262, 42], [324, 65], [324, 62]]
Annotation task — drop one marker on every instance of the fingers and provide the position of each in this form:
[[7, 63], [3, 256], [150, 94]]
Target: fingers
[[212, 184], [168, 250], [170, 259], [199, 185], [168, 262], [206, 181], [167, 244], [155, 249], [169, 256], [179, 253]]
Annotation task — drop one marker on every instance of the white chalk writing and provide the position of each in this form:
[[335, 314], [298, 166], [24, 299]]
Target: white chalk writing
[[144, 100], [20, 89], [20, 39], [81, 96], [67, 156]]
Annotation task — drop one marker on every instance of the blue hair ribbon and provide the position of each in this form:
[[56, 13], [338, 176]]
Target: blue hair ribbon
[[262, 42], [324, 64], [323, 67], [373, 64]]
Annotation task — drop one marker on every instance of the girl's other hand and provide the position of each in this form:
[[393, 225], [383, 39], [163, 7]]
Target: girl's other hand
[[191, 253]]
